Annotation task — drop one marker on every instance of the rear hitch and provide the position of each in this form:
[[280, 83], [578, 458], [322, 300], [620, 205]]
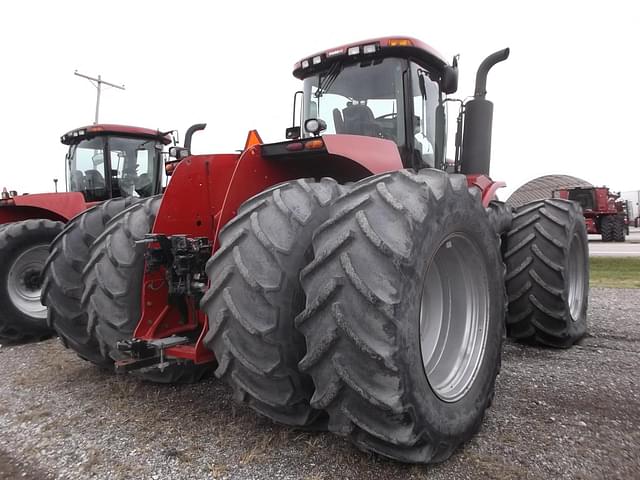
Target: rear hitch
[[184, 259], [147, 354]]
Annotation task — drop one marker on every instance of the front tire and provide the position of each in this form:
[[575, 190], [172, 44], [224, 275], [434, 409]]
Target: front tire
[[546, 254], [405, 258], [24, 247]]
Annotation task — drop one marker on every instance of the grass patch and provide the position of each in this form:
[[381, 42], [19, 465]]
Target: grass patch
[[615, 272]]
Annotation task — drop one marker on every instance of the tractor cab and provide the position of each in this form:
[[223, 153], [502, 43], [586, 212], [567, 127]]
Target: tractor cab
[[109, 161], [387, 88]]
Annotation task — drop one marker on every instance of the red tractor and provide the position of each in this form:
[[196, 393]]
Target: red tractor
[[346, 278], [104, 162], [603, 211]]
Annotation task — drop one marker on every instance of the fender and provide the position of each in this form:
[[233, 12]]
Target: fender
[[61, 206], [374, 154], [347, 158], [208, 187], [487, 186]]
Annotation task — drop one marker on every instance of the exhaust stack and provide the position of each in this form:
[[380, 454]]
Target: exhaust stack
[[478, 119], [192, 129]]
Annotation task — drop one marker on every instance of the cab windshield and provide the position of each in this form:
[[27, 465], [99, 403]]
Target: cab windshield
[[103, 167], [364, 98], [370, 97]]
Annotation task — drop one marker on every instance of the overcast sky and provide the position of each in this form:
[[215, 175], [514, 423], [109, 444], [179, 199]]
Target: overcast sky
[[566, 101]]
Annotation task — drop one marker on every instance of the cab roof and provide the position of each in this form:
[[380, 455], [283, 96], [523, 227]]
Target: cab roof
[[77, 134], [400, 46]]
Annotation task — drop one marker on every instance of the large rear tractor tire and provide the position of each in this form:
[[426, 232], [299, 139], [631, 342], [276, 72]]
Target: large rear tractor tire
[[255, 295], [113, 288], [24, 247], [547, 261], [618, 228], [404, 317], [62, 278]]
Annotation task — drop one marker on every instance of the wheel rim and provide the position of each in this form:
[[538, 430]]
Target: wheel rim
[[577, 274], [24, 281], [454, 317]]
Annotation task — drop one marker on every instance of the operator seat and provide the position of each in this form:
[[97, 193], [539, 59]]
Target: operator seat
[[143, 185], [76, 181], [95, 184], [94, 179], [359, 120]]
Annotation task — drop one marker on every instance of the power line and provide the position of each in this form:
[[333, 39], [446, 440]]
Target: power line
[[98, 82]]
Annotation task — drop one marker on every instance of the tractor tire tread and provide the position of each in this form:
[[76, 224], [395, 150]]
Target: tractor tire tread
[[62, 281], [618, 229], [350, 323], [255, 295], [536, 249]]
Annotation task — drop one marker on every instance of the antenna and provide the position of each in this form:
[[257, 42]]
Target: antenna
[[98, 82]]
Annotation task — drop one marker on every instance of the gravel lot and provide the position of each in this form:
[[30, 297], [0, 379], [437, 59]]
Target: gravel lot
[[557, 414]]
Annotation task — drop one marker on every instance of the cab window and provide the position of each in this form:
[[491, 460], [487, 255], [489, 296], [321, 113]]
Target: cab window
[[426, 99], [363, 98]]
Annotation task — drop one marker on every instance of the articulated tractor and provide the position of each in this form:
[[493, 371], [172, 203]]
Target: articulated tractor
[[348, 278]]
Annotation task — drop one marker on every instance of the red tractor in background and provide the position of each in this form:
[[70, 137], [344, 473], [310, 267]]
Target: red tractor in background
[[103, 162], [347, 278], [604, 212]]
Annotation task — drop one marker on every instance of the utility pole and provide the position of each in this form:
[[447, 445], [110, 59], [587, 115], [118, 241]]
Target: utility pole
[[98, 82]]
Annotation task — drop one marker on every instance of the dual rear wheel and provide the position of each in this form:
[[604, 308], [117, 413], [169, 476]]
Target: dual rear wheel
[[394, 325]]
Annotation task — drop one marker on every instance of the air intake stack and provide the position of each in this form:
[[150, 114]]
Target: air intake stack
[[478, 119]]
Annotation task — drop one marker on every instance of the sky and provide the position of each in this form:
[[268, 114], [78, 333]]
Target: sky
[[566, 100]]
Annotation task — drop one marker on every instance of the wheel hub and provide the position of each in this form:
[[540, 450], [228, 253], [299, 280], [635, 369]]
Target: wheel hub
[[24, 281], [33, 280], [454, 316]]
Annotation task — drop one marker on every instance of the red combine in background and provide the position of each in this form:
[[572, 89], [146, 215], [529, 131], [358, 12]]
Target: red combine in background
[[605, 214]]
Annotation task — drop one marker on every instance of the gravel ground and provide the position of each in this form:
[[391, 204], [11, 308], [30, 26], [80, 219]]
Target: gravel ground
[[557, 414]]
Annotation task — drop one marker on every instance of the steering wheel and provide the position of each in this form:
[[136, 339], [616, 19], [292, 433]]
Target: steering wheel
[[387, 125], [127, 182], [390, 116]]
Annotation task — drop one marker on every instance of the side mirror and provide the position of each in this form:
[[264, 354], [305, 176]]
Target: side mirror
[[292, 133], [178, 152], [450, 77]]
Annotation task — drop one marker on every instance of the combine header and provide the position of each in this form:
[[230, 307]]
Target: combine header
[[347, 277]]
